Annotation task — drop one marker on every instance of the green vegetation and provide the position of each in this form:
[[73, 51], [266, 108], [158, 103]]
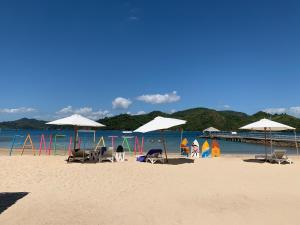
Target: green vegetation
[[198, 119], [24, 123]]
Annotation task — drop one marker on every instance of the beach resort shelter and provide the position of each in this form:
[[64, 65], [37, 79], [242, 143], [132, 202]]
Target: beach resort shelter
[[211, 129], [160, 123], [76, 121], [268, 126]]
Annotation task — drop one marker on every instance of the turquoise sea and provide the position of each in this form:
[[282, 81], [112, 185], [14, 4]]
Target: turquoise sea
[[151, 140]]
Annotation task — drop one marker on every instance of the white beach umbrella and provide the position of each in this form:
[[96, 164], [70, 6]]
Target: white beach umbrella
[[160, 123], [211, 129], [267, 125], [76, 121]]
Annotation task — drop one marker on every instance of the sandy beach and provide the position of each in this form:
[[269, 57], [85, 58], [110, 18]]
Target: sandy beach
[[224, 190]]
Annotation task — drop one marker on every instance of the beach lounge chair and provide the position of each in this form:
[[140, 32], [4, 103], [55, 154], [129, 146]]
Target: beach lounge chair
[[279, 156], [78, 155], [185, 151], [153, 156], [106, 154], [261, 156]]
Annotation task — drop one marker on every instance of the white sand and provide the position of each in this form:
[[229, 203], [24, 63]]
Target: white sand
[[210, 191]]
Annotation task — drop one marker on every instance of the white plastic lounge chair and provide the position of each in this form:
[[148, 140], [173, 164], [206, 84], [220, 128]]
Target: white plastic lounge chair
[[262, 156], [279, 156], [155, 157], [107, 155]]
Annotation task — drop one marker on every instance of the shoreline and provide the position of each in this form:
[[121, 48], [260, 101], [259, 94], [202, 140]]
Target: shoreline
[[5, 152]]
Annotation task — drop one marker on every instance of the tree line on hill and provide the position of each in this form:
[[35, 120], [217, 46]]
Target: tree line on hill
[[197, 119]]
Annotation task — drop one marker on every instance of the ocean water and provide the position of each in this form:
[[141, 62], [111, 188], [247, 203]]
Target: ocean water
[[151, 140]]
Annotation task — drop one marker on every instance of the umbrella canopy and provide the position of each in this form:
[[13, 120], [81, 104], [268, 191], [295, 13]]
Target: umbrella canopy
[[265, 124], [211, 129], [76, 120], [160, 123]]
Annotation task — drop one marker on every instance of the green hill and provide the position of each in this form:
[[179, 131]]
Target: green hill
[[198, 119], [24, 123]]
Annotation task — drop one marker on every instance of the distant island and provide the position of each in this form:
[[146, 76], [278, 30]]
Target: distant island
[[198, 119]]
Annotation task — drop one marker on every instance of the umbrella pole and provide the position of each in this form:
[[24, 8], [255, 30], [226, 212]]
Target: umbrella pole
[[296, 143], [75, 137], [181, 135], [164, 144], [271, 141], [266, 142]]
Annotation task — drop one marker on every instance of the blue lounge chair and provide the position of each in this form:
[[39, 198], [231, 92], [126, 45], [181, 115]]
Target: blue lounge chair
[[152, 156]]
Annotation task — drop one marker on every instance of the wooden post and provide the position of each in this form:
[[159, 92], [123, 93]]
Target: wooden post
[[296, 142], [266, 143], [75, 137], [142, 146], [181, 136], [164, 144]]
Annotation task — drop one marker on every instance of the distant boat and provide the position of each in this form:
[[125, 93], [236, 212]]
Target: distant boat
[[127, 132]]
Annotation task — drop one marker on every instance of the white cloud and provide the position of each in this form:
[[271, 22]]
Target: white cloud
[[136, 114], [121, 103], [133, 18], [275, 110], [65, 110], [46, 117], [226, 106], [85, 111], [140, 112], [294, 111], [17, 110], [159, 98], [173, 110]]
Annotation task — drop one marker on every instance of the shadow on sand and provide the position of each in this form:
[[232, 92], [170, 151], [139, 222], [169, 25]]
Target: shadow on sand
[[179, 161], [91, 161], [254, 160], [264, 161], [7, 199]]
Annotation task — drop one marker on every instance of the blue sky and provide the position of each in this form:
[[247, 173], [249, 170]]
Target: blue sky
[[102, 58]]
